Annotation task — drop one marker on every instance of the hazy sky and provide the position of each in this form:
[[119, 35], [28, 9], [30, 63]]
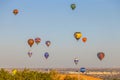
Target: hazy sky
[[54, 20]]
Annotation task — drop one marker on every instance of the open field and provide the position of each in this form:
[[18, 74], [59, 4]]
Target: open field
[[81, 77], [27, 74], [69, 73]]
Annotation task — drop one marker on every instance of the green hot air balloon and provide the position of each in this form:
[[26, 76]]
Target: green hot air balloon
[[73, 6]]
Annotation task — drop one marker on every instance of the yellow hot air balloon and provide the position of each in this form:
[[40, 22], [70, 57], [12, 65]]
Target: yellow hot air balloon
[[77, 35], [14, 71]]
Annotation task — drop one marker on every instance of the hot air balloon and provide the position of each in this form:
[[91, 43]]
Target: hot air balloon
[[84, 39], [30, 53], [37, 40], [73, 6], [30, 42], [14, 71], [15, 11], [77, 35], [46, 55], [100, 55], [82, 69], [47, 43], [76, 61]]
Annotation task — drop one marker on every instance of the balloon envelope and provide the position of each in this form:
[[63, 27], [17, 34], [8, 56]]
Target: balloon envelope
[[100, 55], [15, 11], [37, 40], [46, 55], [77, 35], [30, 53], [30, 42], [76, 61], [73, 6], [14, 71], [82, 69], [48, 43], [84, 39]]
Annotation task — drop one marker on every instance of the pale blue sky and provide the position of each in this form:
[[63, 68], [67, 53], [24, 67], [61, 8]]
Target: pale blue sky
[[98, 20]]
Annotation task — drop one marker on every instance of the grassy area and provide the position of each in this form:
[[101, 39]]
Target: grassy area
[[27, 74], [76, 77]]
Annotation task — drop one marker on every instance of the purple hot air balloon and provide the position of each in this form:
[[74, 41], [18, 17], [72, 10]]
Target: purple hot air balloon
[[46, 55], [47, 43], [76, 61], [30, 53]]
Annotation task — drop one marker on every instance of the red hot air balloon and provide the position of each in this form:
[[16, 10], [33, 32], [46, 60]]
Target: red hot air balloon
[[15, 11], [84, 39], [37, 40], [100, 55], [30, 42]]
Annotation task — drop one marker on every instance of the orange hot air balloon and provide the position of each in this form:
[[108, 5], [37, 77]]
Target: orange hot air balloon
[[84, 39], [100, 55], [15, 11], [30, 42], [37, 40]]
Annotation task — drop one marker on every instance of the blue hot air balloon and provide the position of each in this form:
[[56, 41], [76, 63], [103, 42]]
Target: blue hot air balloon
[[82, 69], [46, 55]]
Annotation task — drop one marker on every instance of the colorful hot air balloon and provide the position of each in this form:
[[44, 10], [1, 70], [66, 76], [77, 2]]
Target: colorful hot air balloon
[[37, 40], [30, 42], [73, 6], [82, 69], [47, 43], [77, 35], [84, 39], [15, 11], [100, 55], [30, 53], [46, 55], [76, 61]]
